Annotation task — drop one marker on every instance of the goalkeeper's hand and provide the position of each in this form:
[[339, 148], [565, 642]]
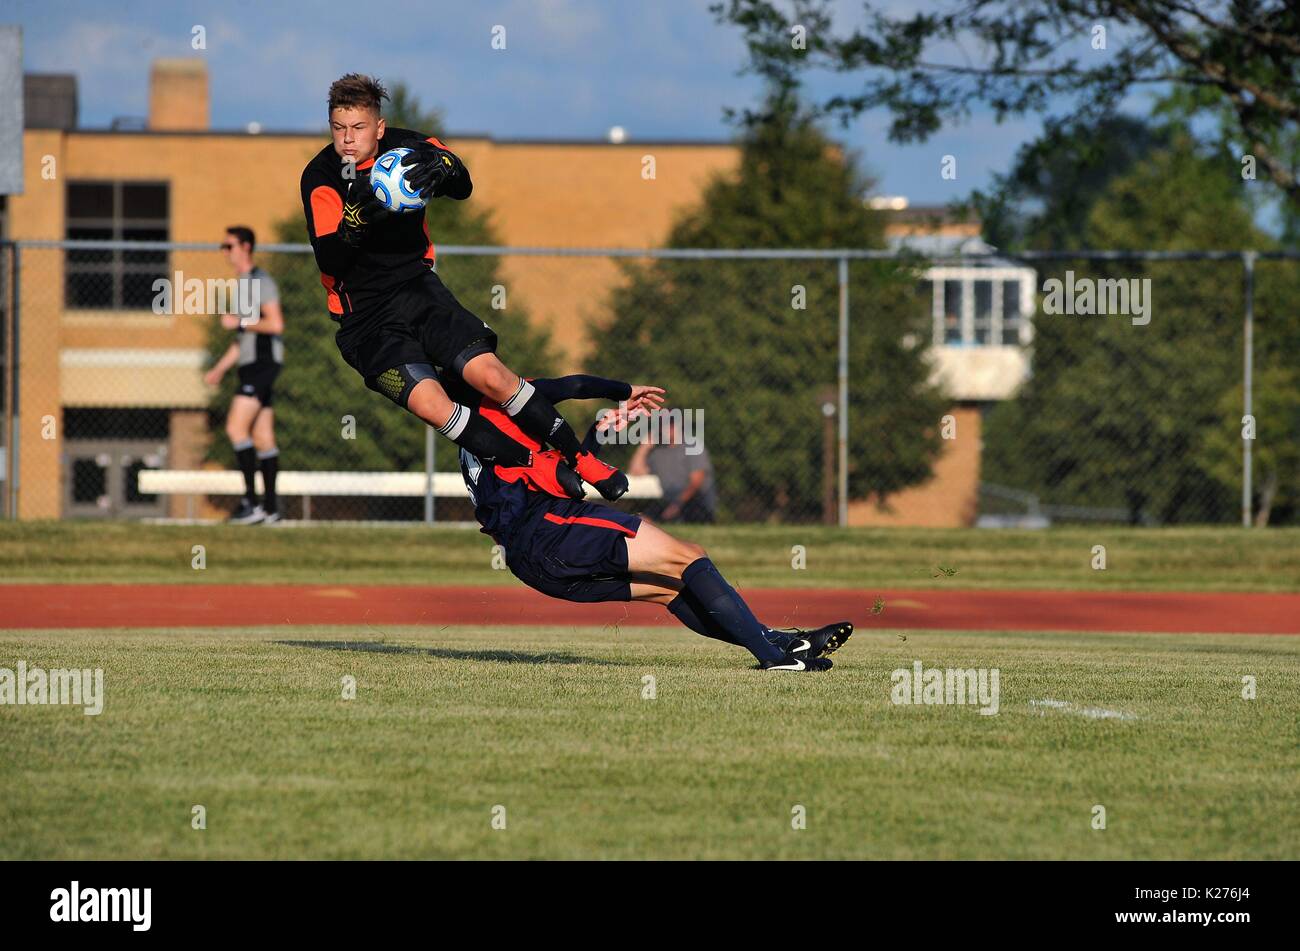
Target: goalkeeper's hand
[[430, 167], [362, 209]]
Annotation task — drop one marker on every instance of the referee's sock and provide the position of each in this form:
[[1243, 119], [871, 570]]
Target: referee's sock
[[246, 456], [538, 417], [475, 434], [268, 460], [724, 607]]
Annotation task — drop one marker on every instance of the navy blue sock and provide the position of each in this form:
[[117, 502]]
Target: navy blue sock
[[726, 609], [687, 610], [682, 609]]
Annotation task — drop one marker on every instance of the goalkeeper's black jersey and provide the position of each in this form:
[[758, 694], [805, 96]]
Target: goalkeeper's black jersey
[[392, 251]]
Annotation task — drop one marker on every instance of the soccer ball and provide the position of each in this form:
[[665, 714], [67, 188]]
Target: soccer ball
[[388, 180]]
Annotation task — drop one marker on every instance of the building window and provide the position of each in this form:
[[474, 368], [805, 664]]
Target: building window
[[115, 211], [981, 306]]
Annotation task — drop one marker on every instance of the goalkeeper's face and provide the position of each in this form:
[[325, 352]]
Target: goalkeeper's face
[[356, 131]]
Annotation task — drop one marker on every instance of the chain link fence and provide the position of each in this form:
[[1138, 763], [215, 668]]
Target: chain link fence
[[858, 388]]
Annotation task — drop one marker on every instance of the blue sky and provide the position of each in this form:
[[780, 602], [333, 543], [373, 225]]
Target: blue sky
[[571, 69]]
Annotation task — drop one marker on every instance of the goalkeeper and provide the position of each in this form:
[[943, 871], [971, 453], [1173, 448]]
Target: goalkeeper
[[399, 325]]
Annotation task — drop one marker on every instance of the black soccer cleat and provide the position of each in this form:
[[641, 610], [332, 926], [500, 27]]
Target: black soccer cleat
[[798, 657], [828, 639], [247, 514], [569, 480]]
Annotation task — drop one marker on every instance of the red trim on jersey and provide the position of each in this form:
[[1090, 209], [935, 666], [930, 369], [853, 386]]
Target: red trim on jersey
[[326, 210], [331, 295], [588, 520], [429, 253]]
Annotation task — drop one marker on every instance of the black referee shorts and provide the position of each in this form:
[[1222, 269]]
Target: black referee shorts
[[415, 333], [256, 380]]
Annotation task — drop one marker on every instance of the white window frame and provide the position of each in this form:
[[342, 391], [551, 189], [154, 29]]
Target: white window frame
[[967, 275]]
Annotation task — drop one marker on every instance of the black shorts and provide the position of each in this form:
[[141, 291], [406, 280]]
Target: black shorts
[[575, 550], [256, 380], [420, 325]]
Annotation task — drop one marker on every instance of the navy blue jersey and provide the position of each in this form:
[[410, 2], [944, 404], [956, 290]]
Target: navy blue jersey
[[503, 508]]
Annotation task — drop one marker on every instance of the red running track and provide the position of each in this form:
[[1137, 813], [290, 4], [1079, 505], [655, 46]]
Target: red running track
[[160, 605]]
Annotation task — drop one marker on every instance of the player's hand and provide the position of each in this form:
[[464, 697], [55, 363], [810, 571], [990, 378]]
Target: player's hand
[[617, 419], [362, 209], [429, 167], [646, 397], [230, 321], [212, 377]]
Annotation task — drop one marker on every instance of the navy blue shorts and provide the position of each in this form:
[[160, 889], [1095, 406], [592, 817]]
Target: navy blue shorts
[[575, 550]]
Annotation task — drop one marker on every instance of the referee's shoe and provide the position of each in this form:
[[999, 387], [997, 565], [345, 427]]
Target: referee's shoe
[[247, 514]]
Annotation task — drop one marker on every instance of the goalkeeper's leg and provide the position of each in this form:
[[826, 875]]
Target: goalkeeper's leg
[[537, 416], [463, 426]]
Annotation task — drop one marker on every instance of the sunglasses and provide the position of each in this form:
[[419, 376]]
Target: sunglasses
[[227, 246]]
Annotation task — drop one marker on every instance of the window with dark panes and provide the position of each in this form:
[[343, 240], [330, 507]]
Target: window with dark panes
[[983, 312], [1011, 314], [952, 312], [115, 211]]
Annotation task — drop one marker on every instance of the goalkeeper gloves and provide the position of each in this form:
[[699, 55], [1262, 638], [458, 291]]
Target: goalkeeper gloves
[[362, 209], [430, 167]]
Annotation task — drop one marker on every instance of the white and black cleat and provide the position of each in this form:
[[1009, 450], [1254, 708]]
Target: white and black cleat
[[798, 656], [247, 514], [272, 518]]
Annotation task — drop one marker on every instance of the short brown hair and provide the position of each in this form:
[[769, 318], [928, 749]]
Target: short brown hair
[[355, 91], [244, 235]]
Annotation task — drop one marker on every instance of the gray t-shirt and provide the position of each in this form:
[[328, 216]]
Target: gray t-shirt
[[256, 289], [673, 465]]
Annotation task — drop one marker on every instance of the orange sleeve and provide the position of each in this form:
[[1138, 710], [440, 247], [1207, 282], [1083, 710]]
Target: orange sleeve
[[326, 210]]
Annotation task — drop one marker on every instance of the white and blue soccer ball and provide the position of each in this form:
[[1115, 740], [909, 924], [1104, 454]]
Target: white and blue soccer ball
[[388, 180]]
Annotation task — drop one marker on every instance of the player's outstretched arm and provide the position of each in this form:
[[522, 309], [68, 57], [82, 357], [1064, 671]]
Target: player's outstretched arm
[[582, 386]]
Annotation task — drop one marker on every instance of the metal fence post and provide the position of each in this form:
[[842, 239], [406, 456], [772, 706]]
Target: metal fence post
[[429, 453], [844, 394], [1248, 382]]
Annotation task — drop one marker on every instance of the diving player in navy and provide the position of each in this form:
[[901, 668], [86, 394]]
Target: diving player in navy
[[399, 325], [583, 551]]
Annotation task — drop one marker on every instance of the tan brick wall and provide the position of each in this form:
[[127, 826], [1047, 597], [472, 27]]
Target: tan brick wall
[[38, 213], [537, 194], [950, 499], [178, 94]]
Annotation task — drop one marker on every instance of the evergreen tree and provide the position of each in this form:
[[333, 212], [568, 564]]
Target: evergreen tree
[[753, 343]]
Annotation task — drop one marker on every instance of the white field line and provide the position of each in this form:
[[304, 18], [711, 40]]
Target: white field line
[[1094, 713]]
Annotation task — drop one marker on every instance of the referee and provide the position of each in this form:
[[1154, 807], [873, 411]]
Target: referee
[[258, 352]]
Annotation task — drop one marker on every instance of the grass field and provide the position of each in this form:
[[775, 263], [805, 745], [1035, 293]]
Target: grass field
[[551, 724], [1192, 559]]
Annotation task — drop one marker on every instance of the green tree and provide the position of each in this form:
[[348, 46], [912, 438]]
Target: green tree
[[1276, 450], [316, 389], [753, 343], [1057, 58], [1043, 202], [1119, 415]]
